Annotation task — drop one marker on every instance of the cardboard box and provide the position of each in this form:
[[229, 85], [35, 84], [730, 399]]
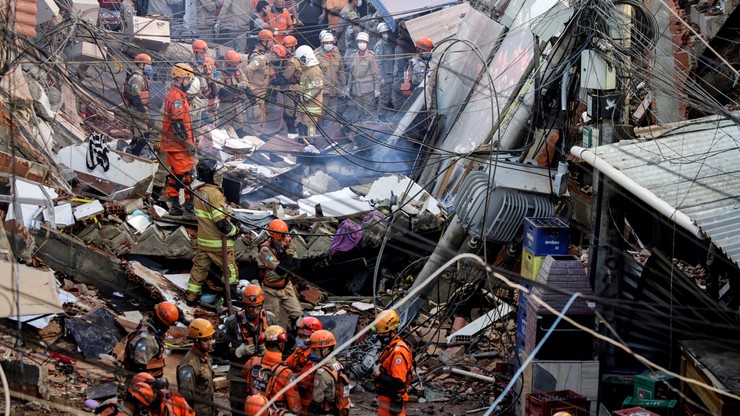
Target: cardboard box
[[149, 33]]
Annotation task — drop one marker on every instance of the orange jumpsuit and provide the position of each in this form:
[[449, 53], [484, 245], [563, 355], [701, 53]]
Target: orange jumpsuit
[[299, 363], [267, 375], [180, 162], [395, 361]]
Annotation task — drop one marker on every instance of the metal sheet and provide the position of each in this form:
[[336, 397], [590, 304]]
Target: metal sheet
[[342, 326], [438, 25], [395, 10]]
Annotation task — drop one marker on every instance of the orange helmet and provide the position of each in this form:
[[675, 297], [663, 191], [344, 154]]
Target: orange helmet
[[309, 325], [253, 295], [290, 41], [279, 50], [264, 35], [232, 58], [209, 64], [200, 46], [201, 328], [144, 393], [143, 58], [322, 338], [277, 229], [254, 404], [167, 313], [424, 44], [142, 377]]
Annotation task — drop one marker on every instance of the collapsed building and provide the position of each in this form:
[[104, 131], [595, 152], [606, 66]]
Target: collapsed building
[[559, 151]]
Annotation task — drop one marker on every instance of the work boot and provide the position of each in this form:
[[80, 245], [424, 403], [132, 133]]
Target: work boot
[[188, 211], [175, 207]]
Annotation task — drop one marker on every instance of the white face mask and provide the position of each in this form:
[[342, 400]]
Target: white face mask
[[328, 47], [385, 36], [359, 3], [362, 45]]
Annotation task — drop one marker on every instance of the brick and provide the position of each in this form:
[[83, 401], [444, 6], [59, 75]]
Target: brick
[[311, 295]]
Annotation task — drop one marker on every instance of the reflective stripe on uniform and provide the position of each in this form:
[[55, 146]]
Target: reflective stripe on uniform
[[209, 215], [194, 288], [232, 274], [214, 243]]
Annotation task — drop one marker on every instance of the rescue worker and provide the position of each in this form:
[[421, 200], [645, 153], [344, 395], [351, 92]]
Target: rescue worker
[[135, 402], [330, 393], [417, 67], [212, 77], [285, 77], [143, 377], [348, 17], [364, 77], [335, 79], [198, 103], [311, 95], [234, 83], [214, 229], [257, 402], [136, 99], [395, 362], [268, 374], [178, 142], [291, 74], [143, 348], [298, 360], [259, 74], [195, 371], [283, 21], [384, 53], [243, 329], [277, 260], [404, 47]]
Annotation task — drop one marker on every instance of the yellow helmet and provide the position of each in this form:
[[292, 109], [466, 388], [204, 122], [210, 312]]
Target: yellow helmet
[[387, 321], [201, 328], [275, 333], [182, 71]]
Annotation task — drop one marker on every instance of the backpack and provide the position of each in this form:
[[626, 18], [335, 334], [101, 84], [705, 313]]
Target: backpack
[[341, 382], [175, 404]]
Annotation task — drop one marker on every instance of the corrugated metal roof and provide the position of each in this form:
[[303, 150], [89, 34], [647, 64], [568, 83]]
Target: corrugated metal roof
[[438, 25], [695, 167], [394, 10]]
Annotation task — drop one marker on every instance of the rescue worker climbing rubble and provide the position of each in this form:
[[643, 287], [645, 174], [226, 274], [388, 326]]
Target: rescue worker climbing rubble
[[136, 100], [178, 142], [195, 371], [330, 390], [234, 84], [277, 262], [143, 348], [298, 360], [268, 374], [310, 99], [243, 329], [214, 230], [394, 366]]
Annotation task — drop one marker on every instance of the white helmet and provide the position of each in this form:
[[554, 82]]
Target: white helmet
[[326, 36], [305, 54], [362, 36], [383, 27], [194, 86]]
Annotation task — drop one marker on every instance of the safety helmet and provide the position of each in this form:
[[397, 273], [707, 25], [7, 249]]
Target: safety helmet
[[387, 321], [274, 333], [383, 27], [254, 404], [200, 45], [264, 35], [194, 87], [563, 414], [142, 377], [167, 313], [305, 54], [326, 36], [290, 41], [143, 392], [206, 169], [362, 37], [424, 44], [322, 338], [201, 328], [182, 70], [253, 295], [143, 58], [209, 64], [309, 325], [232, 58], [277, 229], [279, 50]]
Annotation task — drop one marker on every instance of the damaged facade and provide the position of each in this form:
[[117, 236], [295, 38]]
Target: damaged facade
[[583, 150]]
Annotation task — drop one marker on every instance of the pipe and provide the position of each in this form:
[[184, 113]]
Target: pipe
[[447, 247], [681, 219], [476, 376]]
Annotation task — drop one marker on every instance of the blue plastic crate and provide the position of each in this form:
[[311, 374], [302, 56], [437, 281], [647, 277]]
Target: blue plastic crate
[[545, 236]]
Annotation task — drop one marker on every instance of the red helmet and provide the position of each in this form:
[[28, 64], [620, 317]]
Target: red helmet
[[424, 44], [232, 58], [143, 58], [144, 393], [200, 46], [167, 313], [264, 35], [279, 50], [290, 41], [277, 229], [309, 325]]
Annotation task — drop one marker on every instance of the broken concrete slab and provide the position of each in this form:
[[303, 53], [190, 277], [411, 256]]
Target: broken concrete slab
[[27, 378], [340, 203], [37, 288], [40, 100], [13, 85], [95, 332], [159, 286]]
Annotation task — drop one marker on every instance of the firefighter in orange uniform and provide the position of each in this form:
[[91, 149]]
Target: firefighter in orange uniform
[[395, 362], [178, 142], [268, 374], [143, 348], [135, 402], [257, 402], [330, 393], [243, 330], [298, 360], [283, 22]]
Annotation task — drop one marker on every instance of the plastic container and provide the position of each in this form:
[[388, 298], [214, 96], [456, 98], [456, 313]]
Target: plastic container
[[543, 236]]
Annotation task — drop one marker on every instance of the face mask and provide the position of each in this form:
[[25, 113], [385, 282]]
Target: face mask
[[185, 87], [279, 9], [427, 57], [300, 343], [359, 3], [313, 357], [328, 47], [385, 36], [362, 46], [200, 60], [231, 69], [148, 70]]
